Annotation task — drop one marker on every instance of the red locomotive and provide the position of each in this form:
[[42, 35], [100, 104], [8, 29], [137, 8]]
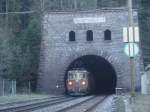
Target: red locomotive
[[78, 82]]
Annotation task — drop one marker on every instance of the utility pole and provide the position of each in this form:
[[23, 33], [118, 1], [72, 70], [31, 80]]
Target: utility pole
[[6, 16], [75, 4], [61, 4], [42, 5], [132, 65], [130, 13]]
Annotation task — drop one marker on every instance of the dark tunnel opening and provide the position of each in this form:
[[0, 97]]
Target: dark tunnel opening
[[102, 73]]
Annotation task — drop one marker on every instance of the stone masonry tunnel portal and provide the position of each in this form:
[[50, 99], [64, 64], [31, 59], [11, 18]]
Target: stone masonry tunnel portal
[[102, 73], [102, 57]]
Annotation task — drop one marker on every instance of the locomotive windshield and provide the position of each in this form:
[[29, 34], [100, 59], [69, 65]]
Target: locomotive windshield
[[70, 76], [77, 75]]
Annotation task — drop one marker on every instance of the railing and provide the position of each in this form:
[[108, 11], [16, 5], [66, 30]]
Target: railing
[[120, 91], [7, 87]]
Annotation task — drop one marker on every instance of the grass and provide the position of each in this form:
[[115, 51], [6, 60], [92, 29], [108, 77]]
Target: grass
[[141, 104], [119, 104], [17, 98]]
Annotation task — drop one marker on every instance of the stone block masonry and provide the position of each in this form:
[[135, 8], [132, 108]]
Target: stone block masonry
[[57, 52]]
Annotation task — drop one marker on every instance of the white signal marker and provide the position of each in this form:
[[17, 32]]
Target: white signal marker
[[125, 34], [136, 34], [131, 34]]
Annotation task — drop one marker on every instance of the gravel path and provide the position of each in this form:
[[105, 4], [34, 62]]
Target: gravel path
[[106, 106]]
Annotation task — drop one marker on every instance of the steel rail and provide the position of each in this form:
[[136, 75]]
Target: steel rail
[[75, 105], [35, 106], [83, 102], [90, 109], [26, 101]]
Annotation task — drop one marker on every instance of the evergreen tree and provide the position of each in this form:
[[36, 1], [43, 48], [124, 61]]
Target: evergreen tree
[[20, 45], [144, 20]]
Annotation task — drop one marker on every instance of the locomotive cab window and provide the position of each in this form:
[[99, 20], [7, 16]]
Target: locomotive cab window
[[84, 76], [70, 76], [89, 35], [72, 36], [107, 35], [80, 75], [75, 76]]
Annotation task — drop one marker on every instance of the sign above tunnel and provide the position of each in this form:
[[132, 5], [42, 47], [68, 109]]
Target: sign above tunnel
[[82, 20]]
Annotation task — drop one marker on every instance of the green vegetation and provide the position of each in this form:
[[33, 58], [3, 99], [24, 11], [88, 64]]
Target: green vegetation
[[55, 5], [144, 20], [18, 98], [20, 42], [141, 104]]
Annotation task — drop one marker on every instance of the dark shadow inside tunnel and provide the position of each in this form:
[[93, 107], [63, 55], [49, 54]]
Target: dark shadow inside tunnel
[[102, 73]]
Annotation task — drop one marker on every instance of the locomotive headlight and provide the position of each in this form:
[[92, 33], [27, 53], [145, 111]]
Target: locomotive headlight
[[70, 83], [83, 82]]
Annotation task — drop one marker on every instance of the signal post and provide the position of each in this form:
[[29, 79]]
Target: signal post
[[131, 40]]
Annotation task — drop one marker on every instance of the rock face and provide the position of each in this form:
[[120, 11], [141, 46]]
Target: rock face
[[145, 81], [57, 52]]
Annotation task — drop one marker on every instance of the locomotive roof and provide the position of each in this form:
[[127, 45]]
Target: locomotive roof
[[78, 70]]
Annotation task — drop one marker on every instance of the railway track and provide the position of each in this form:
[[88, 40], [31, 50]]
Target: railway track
[[93, 106], [27, 101], [36, 105], [85, 106], [66, 104]]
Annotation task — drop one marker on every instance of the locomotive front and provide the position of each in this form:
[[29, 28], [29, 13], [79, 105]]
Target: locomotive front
[[77, 82]]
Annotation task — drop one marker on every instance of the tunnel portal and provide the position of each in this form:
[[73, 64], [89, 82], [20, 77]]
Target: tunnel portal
[[102, 73]]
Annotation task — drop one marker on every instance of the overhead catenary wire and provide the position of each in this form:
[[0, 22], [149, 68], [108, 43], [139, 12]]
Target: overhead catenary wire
[[7, 12], [23, 12]]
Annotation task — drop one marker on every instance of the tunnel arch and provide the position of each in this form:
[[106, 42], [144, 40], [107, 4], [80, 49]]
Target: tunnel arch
[[103, 74], [113, 60]]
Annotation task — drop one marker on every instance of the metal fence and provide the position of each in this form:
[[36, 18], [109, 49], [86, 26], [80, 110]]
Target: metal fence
[[24, 87], [7, 87]]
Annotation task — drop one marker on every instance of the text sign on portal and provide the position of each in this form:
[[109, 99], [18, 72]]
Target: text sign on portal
[[89, 20]]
